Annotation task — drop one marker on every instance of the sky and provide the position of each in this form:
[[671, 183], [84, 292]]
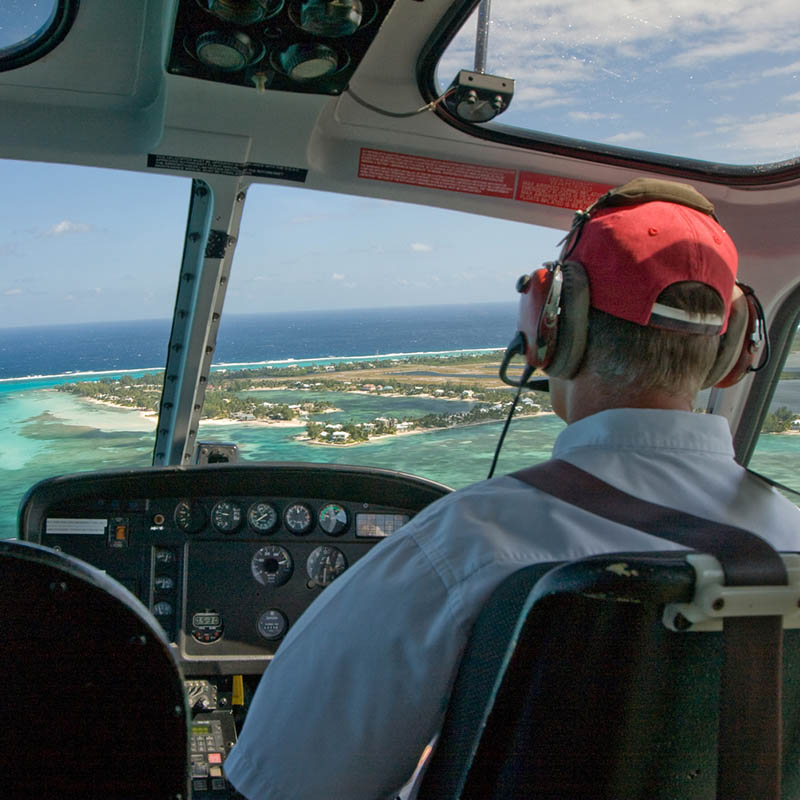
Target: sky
[[717, 81], [82, 244]]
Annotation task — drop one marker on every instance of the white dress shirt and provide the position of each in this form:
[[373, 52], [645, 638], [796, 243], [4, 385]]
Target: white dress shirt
[[360, 684]]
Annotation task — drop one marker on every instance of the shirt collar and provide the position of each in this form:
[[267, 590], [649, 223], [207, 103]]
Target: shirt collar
[[647, 428]]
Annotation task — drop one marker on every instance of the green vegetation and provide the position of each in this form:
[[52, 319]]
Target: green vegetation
[[230, 395], [353, 432], [143, 392], [779, 421], [222, 398]]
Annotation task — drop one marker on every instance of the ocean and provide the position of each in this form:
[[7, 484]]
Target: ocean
[[254, 338], [44, 432]]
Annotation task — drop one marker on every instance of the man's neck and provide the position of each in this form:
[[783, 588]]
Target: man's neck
[[586, 395]]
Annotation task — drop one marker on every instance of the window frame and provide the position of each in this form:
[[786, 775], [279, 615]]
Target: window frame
[[49, 36], [781, 335], [539, 141]]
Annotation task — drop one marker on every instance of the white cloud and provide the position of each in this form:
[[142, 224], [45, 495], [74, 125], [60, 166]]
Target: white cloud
[[10, 292], [789, 69], [624, 138], [586, 116], [337, 276], [67, 226], [763, 133], [791, 98], [421, 247]]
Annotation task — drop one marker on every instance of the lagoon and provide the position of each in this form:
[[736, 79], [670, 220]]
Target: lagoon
[[44, 432]]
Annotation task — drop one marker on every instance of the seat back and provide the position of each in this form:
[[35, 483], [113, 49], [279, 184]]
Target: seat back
[[595, 699], [93, 701]]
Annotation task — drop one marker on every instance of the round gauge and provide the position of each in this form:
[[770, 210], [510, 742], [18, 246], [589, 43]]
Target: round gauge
[[325, 564], [163, 583], [164, 556], [272, 624], [226, 516], [298, 518], [262, 517], [162, 609], [333, 519], [190, 517], [272, 565]]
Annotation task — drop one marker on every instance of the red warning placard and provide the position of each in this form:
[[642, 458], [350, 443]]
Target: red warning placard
[[549, 190], [436, 173]]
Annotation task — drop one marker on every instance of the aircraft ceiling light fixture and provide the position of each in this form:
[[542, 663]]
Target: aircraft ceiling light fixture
[[331, 18], [303, 62], [306, 46], [241, 12], [230, 51]]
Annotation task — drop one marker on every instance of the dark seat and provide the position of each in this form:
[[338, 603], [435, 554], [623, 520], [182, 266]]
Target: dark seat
[[572, 688], [93, 702]]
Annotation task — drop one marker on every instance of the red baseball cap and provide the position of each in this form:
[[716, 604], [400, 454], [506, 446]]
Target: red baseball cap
[[632, 253]]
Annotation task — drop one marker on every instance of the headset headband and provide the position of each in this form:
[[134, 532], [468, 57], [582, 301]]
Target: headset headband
[[634, 193]]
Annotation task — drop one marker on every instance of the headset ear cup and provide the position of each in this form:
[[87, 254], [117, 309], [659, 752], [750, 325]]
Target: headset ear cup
[[535, 291], [733, 355], [573, 322]]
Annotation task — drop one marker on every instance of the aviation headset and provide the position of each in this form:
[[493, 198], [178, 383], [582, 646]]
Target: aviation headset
[[554, 307]]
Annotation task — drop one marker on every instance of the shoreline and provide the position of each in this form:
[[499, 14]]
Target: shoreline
[[315, 442], [152, 416], [238, 366]]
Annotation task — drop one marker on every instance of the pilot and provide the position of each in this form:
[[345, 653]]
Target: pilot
[[359, 686]]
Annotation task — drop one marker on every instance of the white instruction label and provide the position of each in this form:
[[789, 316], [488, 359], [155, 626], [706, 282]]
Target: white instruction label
[[80, 527]]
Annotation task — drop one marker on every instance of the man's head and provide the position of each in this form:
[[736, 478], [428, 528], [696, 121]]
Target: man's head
[[650, 275]]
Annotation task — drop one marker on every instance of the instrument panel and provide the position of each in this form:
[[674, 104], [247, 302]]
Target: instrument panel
[[226, 557]]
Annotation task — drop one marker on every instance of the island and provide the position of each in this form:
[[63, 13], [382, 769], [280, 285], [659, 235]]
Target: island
[[240, 395]]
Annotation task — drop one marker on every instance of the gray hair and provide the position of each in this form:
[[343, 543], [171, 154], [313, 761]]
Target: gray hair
[[630, 357]]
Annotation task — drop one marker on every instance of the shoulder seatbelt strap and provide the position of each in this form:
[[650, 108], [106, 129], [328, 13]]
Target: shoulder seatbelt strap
[[749, 742]]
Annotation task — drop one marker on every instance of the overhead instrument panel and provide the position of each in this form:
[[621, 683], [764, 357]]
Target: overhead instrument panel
[[226, 557], [310, 46]]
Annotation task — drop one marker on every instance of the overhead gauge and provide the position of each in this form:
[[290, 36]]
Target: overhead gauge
[[272, 565], [262, 517], [190, 517], [298, 518], [333, 519], [325, 564], [226, 516]]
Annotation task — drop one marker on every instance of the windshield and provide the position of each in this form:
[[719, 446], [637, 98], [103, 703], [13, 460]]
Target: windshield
[[718, 82], [376, 330], [355, 331]]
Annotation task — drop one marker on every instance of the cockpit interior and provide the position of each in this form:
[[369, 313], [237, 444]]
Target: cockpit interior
[[330, 155]]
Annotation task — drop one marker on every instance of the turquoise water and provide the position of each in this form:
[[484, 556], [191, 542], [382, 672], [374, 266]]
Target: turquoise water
[[44, 432]]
